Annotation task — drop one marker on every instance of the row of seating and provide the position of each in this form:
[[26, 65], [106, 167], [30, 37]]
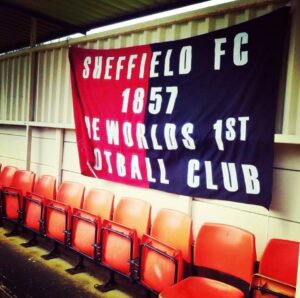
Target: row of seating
[[159, 257]]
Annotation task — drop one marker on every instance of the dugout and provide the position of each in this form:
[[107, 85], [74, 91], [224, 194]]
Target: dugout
[[37, 129]]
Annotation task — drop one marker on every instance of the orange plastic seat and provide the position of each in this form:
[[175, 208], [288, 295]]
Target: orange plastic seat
[[277, 275], [44, 190], [6, 177], [86, 222], [166, 250], [120, 237], [22, 182], [202, 287], [57, 213], [225, 257]]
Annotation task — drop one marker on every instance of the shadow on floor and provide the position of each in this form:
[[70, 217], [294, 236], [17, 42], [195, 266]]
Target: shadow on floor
[[23, 273]]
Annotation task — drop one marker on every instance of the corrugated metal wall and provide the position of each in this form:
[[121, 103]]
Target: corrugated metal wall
[[14, 88], [53, 103]]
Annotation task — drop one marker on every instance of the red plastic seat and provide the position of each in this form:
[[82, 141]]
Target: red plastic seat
[[6, 176], [44, 190], [57, 213], [86, 222], [225, 258], [120, 237], [12, 196], [164, 253], [278, 269]]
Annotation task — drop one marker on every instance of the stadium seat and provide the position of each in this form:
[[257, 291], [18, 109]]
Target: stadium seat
[[164, 253], [44, 190], [57, 214], [224, 257], [120, 238], [277, 275], [6, 177], [86, 224], [12, 197]]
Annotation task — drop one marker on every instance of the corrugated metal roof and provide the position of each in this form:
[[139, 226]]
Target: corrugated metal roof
[[58, 18]]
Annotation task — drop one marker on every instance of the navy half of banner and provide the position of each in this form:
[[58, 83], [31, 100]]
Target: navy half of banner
[[192, 116]]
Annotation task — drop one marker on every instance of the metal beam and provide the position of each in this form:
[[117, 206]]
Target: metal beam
[[40, 15]]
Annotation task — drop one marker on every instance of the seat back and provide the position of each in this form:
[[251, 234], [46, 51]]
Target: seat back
[[226, 249], [134, 214], [163, 253], [71, 194], [86, 222], [280, 261], [99, 202], [57, 215], [23, 181], [45, 187], [174, 228], [6, 176], [121, 237]]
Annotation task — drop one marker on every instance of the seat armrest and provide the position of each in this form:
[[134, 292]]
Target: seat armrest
[[12, 191], [58, 206], [85, 215], [118, 228], [159, 245], [267, 285]]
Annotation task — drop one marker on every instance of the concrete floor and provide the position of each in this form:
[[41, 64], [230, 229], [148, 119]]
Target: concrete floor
[[23, 273]]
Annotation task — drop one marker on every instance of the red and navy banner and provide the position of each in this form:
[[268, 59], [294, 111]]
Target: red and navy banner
[[193, 116]]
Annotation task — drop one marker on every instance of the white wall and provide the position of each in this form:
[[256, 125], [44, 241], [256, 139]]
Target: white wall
[[12, 143], [282, 221]]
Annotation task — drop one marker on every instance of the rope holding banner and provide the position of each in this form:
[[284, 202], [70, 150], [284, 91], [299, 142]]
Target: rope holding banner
[[91, 169]]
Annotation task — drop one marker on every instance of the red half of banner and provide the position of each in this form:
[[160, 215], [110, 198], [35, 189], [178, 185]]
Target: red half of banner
[[112, 84]]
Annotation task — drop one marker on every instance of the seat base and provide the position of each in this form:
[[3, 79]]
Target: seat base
[[53, 254], [109, 285], [32, 242], [14, 232], [194, 287], [78, 268]]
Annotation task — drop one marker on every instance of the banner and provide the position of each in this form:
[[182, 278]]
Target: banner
[[192, 116]]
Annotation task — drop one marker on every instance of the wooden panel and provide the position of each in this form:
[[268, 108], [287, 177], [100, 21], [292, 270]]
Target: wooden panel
[[7, 161], [70, 157], [13, 130], [70, 135], [234, 205], [40, 169], [284, 229], [12, 146], [287, 156], [43, 151], [286, 190], [44, 133]]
